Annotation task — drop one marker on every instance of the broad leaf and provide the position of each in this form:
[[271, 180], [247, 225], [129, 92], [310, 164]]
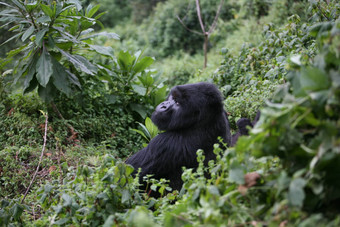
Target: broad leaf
[[44, 68], [27, 33], [296, 194], [104, 50], [139, 89], [236, 173], [60, 79], [47, 10], [40, 35], [151, 127], [78, 62], [142, 64], [125, 60]]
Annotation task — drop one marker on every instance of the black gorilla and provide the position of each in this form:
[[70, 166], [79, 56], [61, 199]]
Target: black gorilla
[[243, 125], [193, 118]]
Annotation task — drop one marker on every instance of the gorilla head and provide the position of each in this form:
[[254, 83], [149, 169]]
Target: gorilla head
[[190, 105], [192, 118]]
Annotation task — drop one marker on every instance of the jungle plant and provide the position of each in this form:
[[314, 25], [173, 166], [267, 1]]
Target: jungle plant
[[55, 35]]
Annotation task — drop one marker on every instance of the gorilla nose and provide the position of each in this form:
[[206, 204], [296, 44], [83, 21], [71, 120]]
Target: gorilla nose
[[164, 106]]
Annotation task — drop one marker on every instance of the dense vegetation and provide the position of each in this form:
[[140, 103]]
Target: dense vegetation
[[77, 86]]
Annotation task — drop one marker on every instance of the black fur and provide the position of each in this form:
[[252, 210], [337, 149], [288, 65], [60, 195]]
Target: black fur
[[243, 125], [192, 118]]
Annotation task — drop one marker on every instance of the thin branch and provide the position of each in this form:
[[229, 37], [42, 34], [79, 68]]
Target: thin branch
[[198, 9], [213, 26], [193, 31], [41, 156]]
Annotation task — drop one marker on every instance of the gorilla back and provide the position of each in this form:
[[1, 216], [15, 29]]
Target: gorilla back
[[193, 118]]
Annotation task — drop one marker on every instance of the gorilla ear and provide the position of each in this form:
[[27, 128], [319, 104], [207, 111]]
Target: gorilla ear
[[176, 93]]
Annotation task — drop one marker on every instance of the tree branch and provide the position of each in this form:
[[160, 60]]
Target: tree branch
[[198, 9], [193, 31], [213, 26]]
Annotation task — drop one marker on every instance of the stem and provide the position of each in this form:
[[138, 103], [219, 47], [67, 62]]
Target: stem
[[41, 156]]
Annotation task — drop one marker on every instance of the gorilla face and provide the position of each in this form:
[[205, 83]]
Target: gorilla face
[[187, 106]]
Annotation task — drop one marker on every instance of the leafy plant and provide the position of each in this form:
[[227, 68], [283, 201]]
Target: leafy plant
[[133, 85], [149, 130], [55, 36]]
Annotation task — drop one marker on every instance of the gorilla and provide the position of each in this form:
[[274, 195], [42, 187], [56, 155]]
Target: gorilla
[[192, 118], [243, 125]]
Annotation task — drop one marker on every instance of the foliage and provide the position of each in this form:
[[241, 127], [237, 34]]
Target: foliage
[[92, 196], [302, 126], [133, 85], [267, 60], [166, 34], [55, 36], [248, 99], [149, 130], [116, 11]]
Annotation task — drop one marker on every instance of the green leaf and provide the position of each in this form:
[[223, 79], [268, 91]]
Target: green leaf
[[47, 10], [110, 221], [140, 109], [126, 196], [44, 68], [109, 35], [79, 62], [16, 211], [31, 72], [60, 79], [27, 33], [91, 10], [296, 194], [47, 93], [151, 127], [21, 6], [141, 133], [125, 60], [236, 173], [139, 89], [76, 3], [104, 50], [313, 79], [159, 95], [40, 35]]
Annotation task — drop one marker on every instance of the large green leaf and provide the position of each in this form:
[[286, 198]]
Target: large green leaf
[[125, 60], [139, 89], [104, 50], [47, 93], [142, 64], [60, 79], [236, 173], [40, 35], [47, 10], [159, 95], [79, 62], [313, 79], [44, 68], [30, 73], [296, 194], [27, 33], [151, 127]]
